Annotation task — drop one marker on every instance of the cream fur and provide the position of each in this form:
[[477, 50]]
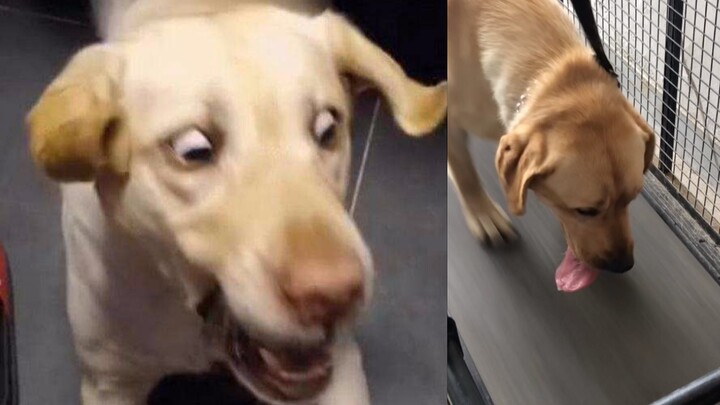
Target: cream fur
[[147, 237]]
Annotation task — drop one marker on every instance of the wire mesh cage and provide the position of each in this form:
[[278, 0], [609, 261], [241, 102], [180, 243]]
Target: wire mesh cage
[[666, 54]]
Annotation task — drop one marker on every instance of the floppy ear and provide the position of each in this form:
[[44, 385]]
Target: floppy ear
[[648, 134], [73, 126], [649, 148], [519, 160], [417, 109]]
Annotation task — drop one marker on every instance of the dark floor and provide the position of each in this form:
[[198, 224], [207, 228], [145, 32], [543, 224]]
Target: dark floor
[[400, 206], [629, 339]]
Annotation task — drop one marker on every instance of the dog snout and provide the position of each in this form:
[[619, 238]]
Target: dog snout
[[324, 295], [618, 263]]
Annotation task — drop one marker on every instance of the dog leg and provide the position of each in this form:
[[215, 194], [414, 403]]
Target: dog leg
[[486, 220], [348, 386]]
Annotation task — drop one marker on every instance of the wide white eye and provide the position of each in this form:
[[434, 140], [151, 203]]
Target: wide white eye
[[192, 146], [325, 127]]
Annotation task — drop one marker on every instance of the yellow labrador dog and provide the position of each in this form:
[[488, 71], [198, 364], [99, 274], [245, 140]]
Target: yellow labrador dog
[[519, 73], [204, 151]]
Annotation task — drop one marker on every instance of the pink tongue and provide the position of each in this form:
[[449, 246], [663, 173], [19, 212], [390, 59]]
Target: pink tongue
[[573, 275]]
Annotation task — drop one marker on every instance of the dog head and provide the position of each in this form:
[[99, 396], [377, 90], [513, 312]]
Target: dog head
[[222, 143], [583, 149]]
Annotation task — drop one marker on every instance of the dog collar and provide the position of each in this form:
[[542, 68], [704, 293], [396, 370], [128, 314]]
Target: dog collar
[[523, 97], [520, 104], [521, 101]]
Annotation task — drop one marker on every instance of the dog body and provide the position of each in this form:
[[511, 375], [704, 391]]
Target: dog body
[[204, 151], [519, 74]]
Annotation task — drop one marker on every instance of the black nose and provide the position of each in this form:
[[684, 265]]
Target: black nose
[[620, 264]]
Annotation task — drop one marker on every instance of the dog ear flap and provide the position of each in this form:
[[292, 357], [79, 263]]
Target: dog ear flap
[[73, 126], [648, 134], [519, 160], [417, 109], [649, 149]]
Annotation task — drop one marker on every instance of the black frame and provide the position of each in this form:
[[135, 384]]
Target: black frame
[[703, 391], [462, 387], [671, 82]]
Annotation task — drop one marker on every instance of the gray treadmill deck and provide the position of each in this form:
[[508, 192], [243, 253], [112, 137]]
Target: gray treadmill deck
[[628, 339]]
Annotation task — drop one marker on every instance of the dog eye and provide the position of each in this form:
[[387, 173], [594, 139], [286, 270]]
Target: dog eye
[[587, 212], [192, 147], [325, 128]]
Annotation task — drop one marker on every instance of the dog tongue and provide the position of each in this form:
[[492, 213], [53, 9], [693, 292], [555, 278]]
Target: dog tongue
[[573, 275]]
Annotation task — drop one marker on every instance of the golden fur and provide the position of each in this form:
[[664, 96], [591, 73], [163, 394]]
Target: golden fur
[[576, 141]]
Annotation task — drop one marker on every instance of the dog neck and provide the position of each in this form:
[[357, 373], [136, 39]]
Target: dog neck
[[555, 78], [523, 98], [521, 103]]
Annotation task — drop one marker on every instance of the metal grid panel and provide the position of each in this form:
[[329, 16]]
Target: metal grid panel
[[666, 54]]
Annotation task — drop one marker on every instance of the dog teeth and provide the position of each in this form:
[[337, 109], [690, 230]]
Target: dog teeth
[[270, 359], [237, 351], [313, 373], [274, 364]]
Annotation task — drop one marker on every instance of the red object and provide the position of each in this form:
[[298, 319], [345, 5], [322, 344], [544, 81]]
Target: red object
[[5, 295], [8, 368]]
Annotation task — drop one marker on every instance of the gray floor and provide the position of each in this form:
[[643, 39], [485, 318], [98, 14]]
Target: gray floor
[[628, 339], [400, 207]]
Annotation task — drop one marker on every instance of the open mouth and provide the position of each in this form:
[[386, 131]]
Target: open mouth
[[574, 275], [274, 372]]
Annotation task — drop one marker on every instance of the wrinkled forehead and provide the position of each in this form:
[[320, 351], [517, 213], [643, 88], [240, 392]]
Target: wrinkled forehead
[[597, 173], [184, 70]]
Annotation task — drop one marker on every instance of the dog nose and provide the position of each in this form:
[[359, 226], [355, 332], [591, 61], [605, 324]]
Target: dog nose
[[324, 294], [618, 264]]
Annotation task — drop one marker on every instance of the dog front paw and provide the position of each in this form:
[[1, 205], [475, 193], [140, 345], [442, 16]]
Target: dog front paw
[[490, 224]]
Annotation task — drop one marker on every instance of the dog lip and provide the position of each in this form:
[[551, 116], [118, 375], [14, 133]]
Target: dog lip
[[618, 269], [280, 374], [275, 371]]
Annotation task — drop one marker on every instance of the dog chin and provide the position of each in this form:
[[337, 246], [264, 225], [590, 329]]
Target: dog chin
[[275, 392], [289, 373]]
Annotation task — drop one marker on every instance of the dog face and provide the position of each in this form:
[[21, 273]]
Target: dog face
[[583, 152], [222, 143]]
